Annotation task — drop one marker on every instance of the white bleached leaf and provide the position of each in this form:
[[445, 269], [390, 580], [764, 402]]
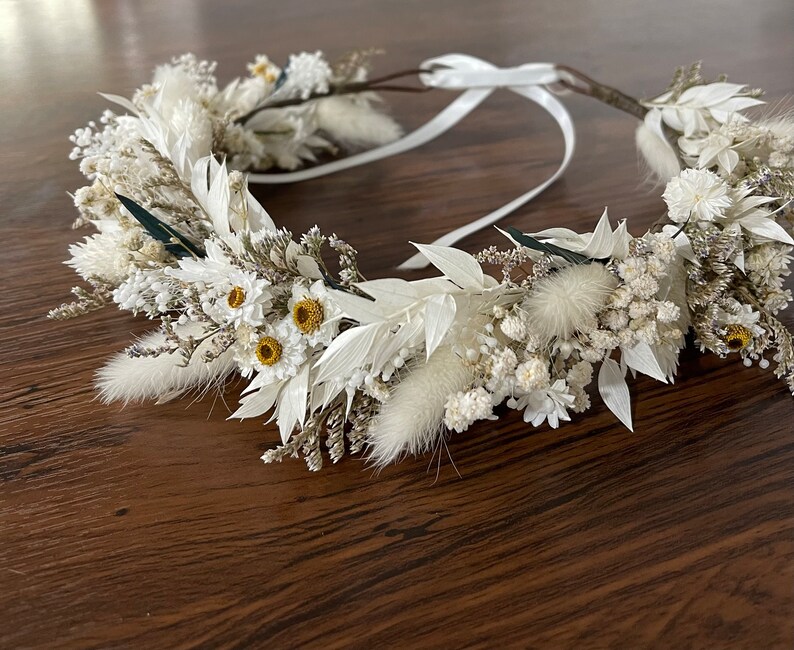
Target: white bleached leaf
[[292, 403], [391, 294], [709, 94], [457, 265], [322, 394], [431, 286], [600, 244], [439, 315], [408, 335], [348, 351], [614, 391], [217, 205], [307, 266], [125, 103], [767, 228], [257, 403], [357, 308], [642, 359]]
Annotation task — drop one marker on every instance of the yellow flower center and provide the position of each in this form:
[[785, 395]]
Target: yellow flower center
[[308, 315], [264, 70], [236, 297], [268, 351], [737, 336]]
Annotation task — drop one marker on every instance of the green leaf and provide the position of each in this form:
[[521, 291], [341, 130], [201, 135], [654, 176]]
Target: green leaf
[[162, 232], [534, 244], [333, 283]]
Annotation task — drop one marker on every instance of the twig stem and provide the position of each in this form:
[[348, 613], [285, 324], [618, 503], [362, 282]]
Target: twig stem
[[377, 84]]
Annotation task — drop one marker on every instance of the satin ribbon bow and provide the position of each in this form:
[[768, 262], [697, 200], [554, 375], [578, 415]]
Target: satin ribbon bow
[[477, 79]]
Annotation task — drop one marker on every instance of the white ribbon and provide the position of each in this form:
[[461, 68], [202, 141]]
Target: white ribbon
[[478, 79]]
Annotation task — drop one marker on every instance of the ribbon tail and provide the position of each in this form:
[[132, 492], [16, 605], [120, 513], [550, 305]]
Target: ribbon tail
[[563, 119]]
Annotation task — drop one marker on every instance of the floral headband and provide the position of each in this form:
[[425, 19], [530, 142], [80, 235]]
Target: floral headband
[[390, 366]]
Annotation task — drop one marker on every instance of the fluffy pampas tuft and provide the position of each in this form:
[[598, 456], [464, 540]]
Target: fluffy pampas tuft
[[657, 153], [163, 378], [568, 300], [409, 422], [355, 123]]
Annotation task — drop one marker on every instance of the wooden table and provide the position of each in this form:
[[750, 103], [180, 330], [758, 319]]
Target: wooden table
[[159, 526]]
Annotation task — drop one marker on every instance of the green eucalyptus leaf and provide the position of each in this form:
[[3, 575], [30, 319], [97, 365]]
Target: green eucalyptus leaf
[[535, 244], [162, 232]]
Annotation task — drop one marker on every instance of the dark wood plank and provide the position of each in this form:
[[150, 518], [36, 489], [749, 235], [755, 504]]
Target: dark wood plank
[[159, 526]]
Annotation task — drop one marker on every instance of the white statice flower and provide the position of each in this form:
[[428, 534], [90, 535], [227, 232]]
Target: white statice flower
[[314, 312], [663, 246], [601, 339], [768, 264], [275, 353], [615, 319], [645, 286], [307, 74], [515, 325], [464, 408], [532, 374], [500, 368], [696, 193], [667, 311], [631, 268], [580, 375], [546, 404]]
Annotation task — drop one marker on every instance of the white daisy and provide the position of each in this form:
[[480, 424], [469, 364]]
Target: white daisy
[[275, 354], [696, 193], [314, 313], [245, 301]]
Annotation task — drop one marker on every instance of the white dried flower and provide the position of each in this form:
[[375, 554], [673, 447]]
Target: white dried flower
[[462, 409], [275, 354], [696, 193], [545, 404], [514, 325], [532, 374]]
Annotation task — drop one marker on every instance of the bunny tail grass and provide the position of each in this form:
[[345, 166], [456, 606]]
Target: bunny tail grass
[[164, 377], [411, 419]]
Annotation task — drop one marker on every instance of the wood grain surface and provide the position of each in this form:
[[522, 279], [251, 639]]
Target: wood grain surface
[[154, 527]]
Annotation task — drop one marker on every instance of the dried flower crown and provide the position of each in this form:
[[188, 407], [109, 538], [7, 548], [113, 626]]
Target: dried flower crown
[[388, 364]]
